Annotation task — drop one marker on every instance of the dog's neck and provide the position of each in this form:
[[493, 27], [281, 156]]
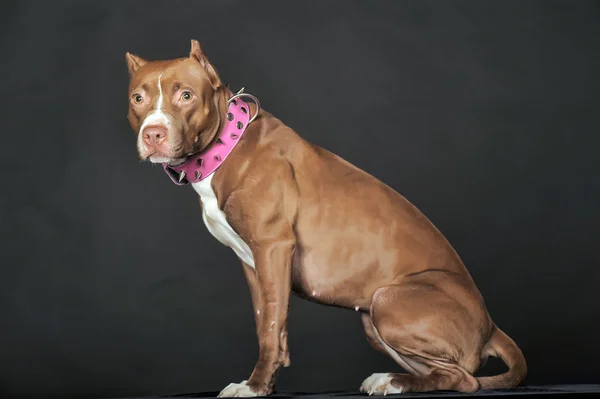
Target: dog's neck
[[235, 121]]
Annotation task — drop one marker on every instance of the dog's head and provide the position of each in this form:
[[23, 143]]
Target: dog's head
[[174, 105]]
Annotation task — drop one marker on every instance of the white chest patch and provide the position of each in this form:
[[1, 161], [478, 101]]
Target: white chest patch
[[217, 224]]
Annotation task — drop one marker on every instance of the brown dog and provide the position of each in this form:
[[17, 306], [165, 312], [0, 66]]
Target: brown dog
[[303, 220]]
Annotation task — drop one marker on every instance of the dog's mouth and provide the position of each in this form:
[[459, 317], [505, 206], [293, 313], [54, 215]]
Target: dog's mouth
[[158, 157], [168, 154], [173, 151]]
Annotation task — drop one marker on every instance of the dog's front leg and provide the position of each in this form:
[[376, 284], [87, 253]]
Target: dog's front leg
[[273, 261], [257, 304]]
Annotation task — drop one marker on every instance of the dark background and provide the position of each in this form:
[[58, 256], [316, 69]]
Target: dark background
[[483, 114]]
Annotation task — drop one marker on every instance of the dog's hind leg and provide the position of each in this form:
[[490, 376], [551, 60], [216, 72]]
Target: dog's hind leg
[[371, 334], [430, 334]]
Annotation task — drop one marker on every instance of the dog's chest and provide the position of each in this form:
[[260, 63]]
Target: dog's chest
[[216, 222]]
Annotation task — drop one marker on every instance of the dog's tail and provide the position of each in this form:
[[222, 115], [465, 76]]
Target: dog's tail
[[502, 346]]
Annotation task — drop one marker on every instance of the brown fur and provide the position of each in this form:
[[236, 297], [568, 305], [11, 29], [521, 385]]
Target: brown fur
[[327, 231]]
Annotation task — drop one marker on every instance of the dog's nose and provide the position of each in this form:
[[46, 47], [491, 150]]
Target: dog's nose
[[154, 135]]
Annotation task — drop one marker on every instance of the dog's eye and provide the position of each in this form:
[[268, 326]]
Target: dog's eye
[[138, 98], [186, 96]]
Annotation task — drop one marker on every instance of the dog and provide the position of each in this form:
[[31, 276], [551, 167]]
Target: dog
[[302, 220]]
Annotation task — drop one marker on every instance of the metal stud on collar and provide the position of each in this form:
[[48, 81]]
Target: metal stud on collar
[[181, 176], [241, 93]]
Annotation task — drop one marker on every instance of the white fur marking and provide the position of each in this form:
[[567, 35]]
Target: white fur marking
[[241, 390], [160, 95], [379, 383], [217, 224], [157, 117]]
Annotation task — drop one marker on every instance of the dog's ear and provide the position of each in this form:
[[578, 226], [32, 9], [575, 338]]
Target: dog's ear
[[197, 54], [134, 63]]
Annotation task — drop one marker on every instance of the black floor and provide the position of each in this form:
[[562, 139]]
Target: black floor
[[530, 392]]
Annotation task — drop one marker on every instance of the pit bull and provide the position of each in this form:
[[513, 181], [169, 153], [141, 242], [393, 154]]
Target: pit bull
[[302, 220]]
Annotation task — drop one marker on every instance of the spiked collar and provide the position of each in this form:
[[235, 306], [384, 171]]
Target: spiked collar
[[199, 166]]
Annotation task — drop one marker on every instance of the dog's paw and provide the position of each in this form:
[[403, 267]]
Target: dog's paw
[[240, 390], [379, 384]]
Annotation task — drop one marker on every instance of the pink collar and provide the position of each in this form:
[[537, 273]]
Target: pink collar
[[199, 166]]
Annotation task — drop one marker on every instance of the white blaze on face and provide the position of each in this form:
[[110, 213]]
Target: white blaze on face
[[157, 117]]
